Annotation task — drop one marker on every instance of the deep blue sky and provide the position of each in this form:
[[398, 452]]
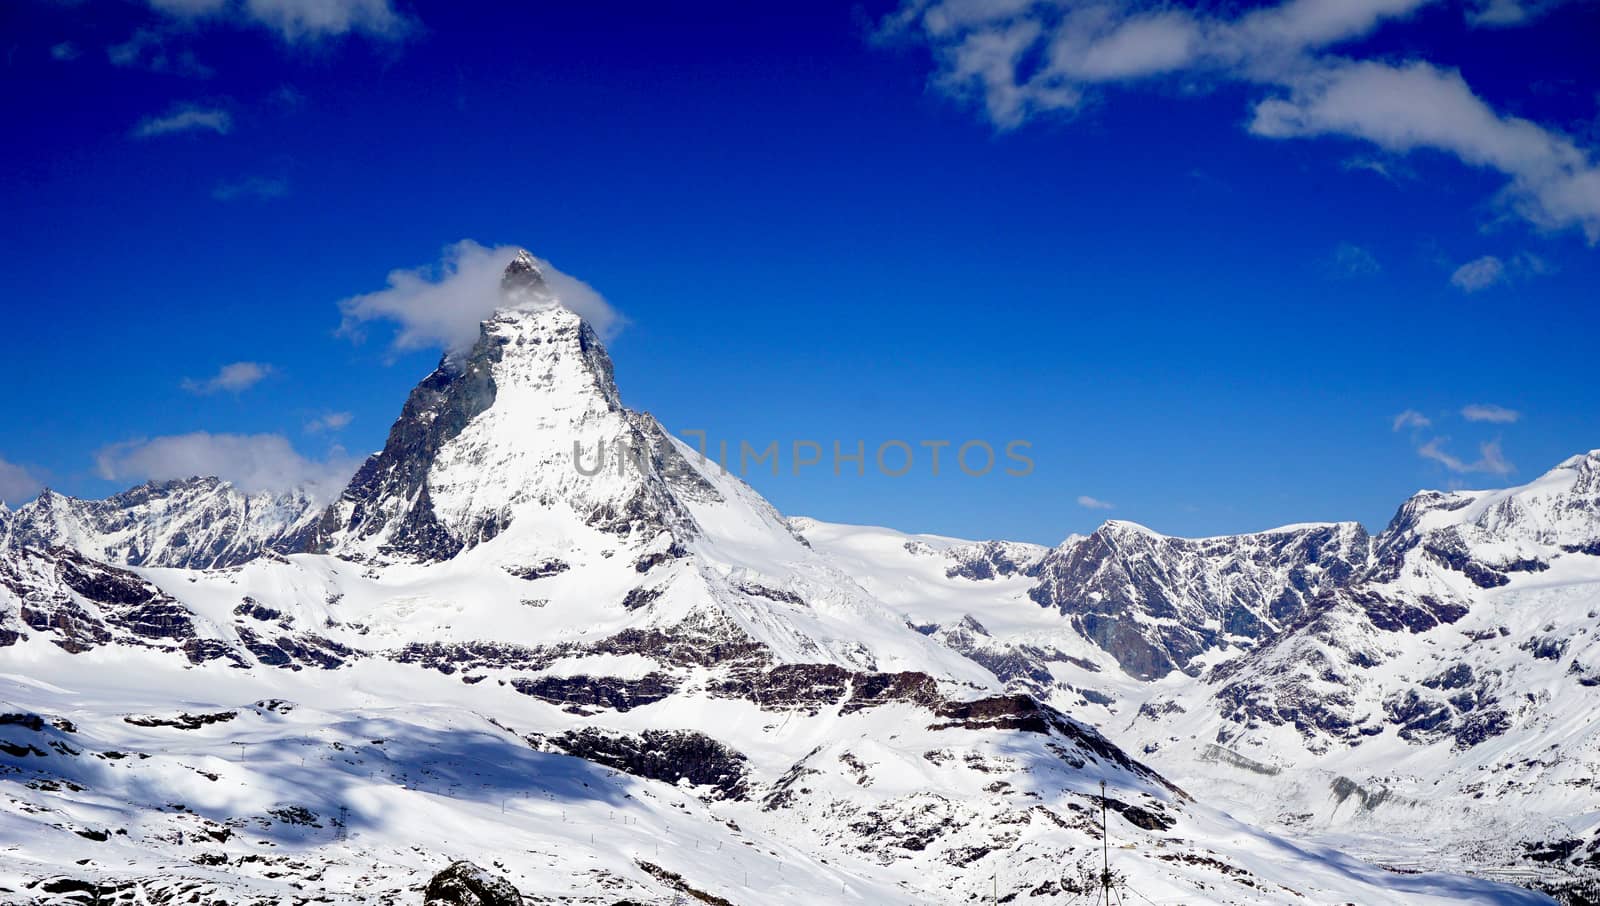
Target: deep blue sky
[[1210, 330]]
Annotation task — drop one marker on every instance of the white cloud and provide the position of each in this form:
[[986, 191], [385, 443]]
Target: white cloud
[[1355, 261], [1020, 59], [1552, 182], [441, 306], [234, 378], [329, 421], [1503, 13], [1527, 264], [1387, 167], [302, 19], [65, 52], [253, 462], [261, 187], [298, 20], [1491, 460], [147, 49], [1488, 412], [1090, 503], [1411, 418], [981, 46], [185, 118], [1478, 275], [17, 484]]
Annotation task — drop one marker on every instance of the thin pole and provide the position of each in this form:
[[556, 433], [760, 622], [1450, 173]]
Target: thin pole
[[1105, 840]]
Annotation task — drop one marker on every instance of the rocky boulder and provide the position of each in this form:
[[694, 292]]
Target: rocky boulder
[[465, 884]]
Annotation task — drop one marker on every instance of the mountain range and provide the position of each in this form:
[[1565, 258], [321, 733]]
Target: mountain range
[[641, 683]]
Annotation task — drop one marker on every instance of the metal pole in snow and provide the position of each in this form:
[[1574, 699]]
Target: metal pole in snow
[[1105, 840]]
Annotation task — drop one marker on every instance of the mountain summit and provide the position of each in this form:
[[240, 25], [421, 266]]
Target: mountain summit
[[523, 274]]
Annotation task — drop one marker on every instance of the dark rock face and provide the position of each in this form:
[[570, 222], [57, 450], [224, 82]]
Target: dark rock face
[[1024, 667], [1147, 819], [128, 601], [255, 610], [703, 641], [1023, 713], [815, 686], [296, 652], [993, 559], [184, 721], [541, 570], [1545, 648], [1403, 533], [390, 490], [580, 692], [669, 755], [447, 658], [1393, 613], [81, 603], [640, 597], [465, 884], [1420, 719], [1155, 603], [1247, 586]]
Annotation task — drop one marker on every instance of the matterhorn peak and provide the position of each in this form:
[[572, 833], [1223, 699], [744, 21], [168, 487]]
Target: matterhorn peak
[[524, 274]]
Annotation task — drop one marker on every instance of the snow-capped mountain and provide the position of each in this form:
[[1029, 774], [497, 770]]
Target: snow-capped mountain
[[622, 676], [1422, 697], [1157, 603], [198, 523]]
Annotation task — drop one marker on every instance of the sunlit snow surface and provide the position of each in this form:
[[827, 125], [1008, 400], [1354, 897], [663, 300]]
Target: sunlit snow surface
[[399, 771]]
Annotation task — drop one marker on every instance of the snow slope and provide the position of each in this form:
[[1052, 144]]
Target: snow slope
[[1426, 700]]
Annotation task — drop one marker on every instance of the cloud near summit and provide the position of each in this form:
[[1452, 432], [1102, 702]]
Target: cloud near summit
[[441, 305]]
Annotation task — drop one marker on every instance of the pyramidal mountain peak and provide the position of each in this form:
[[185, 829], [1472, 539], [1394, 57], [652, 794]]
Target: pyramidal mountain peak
[[523, 273]]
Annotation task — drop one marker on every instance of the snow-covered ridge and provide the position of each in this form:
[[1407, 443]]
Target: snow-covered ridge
[[198, 523], [1157, 603]]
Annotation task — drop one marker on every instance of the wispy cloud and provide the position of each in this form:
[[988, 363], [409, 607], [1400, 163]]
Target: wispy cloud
[[18, 484], [1387, 167], [1354, 261], [1018, 60], [1490, 458], [1411, 418], [441, 306], [234, 378], [1503, 13], [1552, 182], [1091, 503], [147, 49], [1488, 412], [258, 187], [287, 98], [253, 462], [65, 52], [299, 20], [185, 118], [329, 421], [1479, 274]]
